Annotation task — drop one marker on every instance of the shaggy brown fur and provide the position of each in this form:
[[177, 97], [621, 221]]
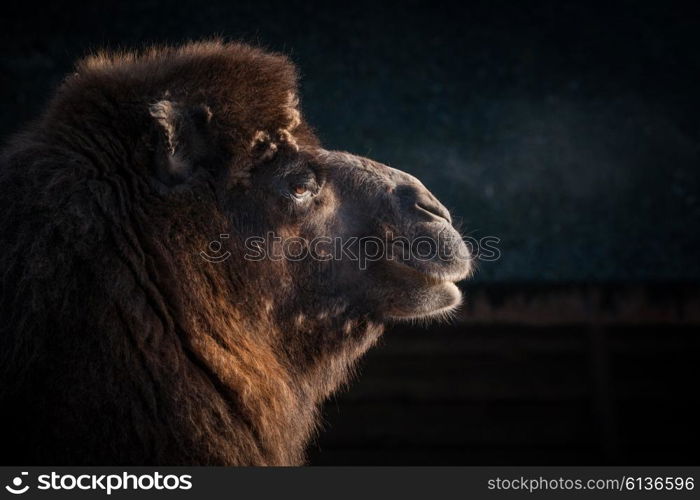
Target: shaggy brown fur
[[119, 343]]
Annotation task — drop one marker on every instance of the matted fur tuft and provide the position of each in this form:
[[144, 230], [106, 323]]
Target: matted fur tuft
[[253, 92]]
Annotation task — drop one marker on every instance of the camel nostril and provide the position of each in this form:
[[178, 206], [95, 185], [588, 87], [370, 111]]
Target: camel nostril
[[413, 197], [435, 210]]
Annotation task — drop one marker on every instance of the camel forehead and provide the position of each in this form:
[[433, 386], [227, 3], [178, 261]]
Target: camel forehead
[[357, 164]]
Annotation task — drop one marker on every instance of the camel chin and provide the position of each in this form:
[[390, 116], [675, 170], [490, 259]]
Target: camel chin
[[438, 301]]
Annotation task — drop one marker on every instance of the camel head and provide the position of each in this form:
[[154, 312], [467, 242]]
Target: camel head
[[346, 230], [315, 241]]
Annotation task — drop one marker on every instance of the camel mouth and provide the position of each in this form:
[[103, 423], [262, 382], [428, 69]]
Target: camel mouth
[[434, 272], [437, 268], [438, 302], [424, 295]]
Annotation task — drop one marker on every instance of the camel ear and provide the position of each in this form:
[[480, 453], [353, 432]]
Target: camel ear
[[183, 131]]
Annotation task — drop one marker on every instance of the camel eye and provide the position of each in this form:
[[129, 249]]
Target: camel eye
[[300, 190], [301, 187]]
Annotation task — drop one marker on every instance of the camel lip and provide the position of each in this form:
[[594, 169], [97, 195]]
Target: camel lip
[[430, 277], [445, 311]]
